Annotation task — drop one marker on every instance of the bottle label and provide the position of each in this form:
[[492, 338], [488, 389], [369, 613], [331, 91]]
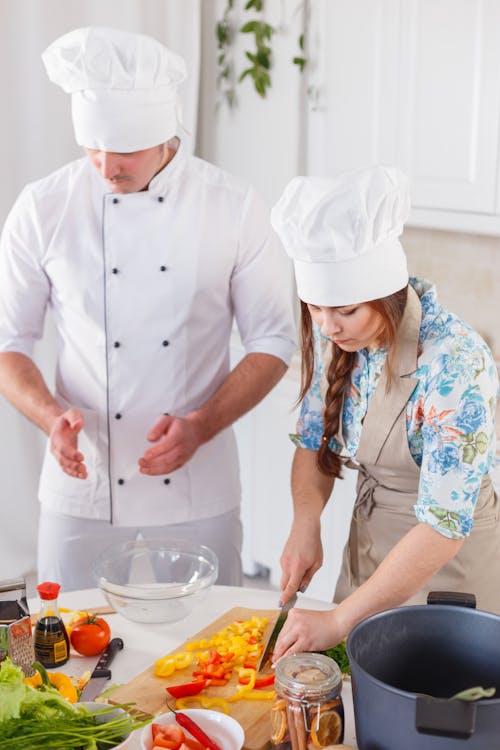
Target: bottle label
[[50, 647]]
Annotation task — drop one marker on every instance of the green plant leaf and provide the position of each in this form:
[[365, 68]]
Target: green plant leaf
[[222, 33], [300, 62], [263, 59], [245, 73], [268, 31], [257, 4], [251, 27], [260, 87]]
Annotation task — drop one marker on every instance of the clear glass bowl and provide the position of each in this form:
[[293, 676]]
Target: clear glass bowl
[[150, 580]]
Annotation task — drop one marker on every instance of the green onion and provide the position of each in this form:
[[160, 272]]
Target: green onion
[[76, 731], [339, 654]]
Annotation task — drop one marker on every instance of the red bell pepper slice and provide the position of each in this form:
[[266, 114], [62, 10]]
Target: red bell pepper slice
[[187, 688], [259, 683], [214, 656]]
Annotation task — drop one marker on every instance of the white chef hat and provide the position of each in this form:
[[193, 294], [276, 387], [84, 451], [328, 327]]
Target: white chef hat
[[123, 87], [342, 235]]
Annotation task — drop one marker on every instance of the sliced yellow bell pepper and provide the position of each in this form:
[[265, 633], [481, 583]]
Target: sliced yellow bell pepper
[[167, 665], [205, 702]]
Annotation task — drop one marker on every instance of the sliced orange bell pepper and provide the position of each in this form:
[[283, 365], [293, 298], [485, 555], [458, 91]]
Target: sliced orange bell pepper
[[59, 680]]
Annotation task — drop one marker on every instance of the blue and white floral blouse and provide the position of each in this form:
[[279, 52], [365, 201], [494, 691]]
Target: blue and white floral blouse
[[450, 416]]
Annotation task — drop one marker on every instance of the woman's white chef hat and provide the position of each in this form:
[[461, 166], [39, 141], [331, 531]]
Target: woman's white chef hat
[[342, 235], [123, 87]]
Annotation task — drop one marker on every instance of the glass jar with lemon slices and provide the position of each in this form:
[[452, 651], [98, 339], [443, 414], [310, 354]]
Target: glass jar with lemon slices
[[307, 712]]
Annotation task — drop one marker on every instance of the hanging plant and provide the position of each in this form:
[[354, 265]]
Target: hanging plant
[[259, 57], [225, 34]]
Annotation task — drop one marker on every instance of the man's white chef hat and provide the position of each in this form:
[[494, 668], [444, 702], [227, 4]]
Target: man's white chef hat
[[342, 235], [123, 87]]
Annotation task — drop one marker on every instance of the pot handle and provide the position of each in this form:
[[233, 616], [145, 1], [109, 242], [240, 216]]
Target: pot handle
[[457, 598], [444, 718]]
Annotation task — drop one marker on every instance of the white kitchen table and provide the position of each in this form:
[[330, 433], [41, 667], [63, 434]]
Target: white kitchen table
[[146, 643]]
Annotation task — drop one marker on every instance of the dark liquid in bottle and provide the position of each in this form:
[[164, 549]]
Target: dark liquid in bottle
[[51, 642]]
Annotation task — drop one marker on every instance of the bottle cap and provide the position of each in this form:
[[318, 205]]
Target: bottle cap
[[48, 590]]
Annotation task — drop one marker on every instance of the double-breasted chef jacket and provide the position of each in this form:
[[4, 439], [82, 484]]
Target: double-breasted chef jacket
[[143, 288]]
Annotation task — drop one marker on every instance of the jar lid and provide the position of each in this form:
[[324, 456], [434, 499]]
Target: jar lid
[[307, 675], [48, 590]]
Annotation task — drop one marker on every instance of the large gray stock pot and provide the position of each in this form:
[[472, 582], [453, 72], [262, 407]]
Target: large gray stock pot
[[406, 663]]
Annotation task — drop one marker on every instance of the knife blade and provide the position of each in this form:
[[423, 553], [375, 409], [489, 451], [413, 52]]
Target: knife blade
[[101, 673], [276, 631]]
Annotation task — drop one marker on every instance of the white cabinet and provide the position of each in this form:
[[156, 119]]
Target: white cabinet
[[266, 453], [415, 83]]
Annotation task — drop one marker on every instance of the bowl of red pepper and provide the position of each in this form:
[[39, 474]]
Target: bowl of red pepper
[[156, 580], [193, 729]]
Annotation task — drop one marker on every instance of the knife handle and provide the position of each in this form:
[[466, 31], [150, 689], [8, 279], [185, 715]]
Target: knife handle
[[107, 656]]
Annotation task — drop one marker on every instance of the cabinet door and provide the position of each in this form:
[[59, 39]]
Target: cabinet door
[[352, 84], [414, 83], [449, 102]]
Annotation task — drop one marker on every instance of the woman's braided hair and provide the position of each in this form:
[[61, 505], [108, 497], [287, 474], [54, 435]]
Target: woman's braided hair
[[391, 309]]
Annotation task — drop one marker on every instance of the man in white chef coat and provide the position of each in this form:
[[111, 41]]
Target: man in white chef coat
[[145, 255]]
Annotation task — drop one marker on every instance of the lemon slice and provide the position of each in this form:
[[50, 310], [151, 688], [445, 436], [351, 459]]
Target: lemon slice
[[328, 730], [278, 724]]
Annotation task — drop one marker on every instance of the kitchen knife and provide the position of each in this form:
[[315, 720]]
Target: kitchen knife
[[276, 631], [101, 673]]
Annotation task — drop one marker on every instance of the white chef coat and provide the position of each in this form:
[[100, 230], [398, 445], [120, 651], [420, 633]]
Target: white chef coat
[[143, 288]]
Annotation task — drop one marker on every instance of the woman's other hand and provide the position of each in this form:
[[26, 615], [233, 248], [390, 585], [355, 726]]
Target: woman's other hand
[[302, 556]]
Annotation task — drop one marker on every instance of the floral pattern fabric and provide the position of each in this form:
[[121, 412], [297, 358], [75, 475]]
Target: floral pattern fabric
[[450, 416]]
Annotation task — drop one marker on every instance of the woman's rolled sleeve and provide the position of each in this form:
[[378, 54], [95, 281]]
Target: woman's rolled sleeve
[[458, 441]]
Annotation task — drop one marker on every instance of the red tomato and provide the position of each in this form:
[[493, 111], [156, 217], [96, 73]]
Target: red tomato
[[90, 635], [167, 735]]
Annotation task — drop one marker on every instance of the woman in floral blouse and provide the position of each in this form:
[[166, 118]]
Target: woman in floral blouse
[[396, 387]]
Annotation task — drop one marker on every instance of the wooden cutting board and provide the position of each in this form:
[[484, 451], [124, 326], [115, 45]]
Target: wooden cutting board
[[148, 691]]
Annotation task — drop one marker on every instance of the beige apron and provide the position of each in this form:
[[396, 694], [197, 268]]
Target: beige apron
[[387, 490]]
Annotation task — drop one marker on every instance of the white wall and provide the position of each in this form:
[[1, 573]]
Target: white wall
[[260, 139]]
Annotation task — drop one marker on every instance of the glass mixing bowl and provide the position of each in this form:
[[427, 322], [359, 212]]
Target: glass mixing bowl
[[150, 580]]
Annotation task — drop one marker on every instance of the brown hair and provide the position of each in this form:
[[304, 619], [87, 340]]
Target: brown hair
[[391, 309]]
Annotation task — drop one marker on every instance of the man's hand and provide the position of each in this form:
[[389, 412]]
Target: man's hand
[[176, 439], [302, 556], [64, 443]]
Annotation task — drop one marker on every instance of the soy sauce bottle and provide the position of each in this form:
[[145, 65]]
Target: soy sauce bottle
[[51, 639]]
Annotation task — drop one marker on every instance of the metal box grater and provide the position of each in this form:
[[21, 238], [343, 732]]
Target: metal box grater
[[16, 638]]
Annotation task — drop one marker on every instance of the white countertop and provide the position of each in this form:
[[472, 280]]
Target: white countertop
[[146, 643]]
